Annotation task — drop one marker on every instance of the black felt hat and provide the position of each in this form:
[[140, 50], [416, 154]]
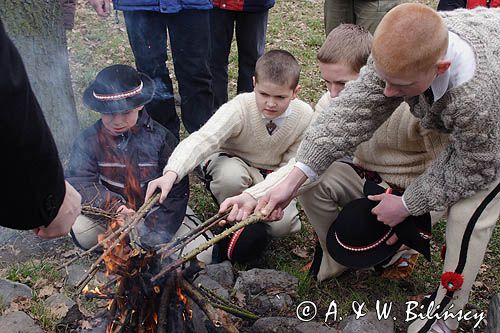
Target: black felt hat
[[358, 240], [118, 88]]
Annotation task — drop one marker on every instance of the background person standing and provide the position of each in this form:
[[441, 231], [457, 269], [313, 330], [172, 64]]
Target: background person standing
[[249, 20], [366, 13]]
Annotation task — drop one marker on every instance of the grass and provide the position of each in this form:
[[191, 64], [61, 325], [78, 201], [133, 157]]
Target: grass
[[296, 26], [31, 272]]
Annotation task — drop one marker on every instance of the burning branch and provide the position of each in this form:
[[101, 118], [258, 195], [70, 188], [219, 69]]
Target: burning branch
[[254, 218], [122, 232]]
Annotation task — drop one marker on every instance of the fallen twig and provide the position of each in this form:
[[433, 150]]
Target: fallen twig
[[216, 316]]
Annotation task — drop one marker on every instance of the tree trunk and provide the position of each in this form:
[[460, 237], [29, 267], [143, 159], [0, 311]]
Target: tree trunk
[[36, 28]]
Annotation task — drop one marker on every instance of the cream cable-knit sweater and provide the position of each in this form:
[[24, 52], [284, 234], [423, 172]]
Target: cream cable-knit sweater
[[237, 129], [470, 113], [400, 150]]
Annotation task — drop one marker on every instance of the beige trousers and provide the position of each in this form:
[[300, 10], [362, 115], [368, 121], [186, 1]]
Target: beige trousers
[[470, 223], [469, 227], [321, 201], [229, 176]]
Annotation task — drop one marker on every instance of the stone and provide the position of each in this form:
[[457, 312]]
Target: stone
[[10, 290], [289, 324], [18, 246], [211, 285], [256, 281], [64, 308], [74, 274], [222, 273], [314, 326], [368, 324], [266, 290], [275, 303], [493, 317], [275, 325], [18, 322]]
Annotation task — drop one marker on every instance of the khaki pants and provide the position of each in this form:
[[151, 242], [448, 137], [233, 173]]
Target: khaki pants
[[321, 201], [366, 13], [468, 230], [229, 176]]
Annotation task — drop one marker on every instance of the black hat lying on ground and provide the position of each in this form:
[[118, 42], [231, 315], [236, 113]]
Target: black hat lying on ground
[[245, 245], [118, 88], [358, 240]]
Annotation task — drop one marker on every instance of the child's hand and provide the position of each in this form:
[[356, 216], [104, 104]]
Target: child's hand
[[124, 212], [242, 206], [164, 183]]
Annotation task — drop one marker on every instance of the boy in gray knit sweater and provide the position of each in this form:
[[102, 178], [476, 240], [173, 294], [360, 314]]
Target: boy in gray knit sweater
[[449, 74]]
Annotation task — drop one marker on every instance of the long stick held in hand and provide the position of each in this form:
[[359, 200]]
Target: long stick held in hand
[[180, 242], [254, 218]]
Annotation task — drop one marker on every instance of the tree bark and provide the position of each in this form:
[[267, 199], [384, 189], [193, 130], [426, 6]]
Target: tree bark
[[36, 28]]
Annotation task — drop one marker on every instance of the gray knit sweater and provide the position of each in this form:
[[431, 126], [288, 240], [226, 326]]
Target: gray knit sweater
[[469, 113]]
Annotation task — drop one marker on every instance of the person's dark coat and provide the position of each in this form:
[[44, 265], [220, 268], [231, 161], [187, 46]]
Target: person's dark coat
[[33, 186], [162, 6], [109, 171], [244, 5]]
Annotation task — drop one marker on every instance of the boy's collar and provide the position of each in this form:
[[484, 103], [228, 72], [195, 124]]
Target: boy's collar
[[462, 67]]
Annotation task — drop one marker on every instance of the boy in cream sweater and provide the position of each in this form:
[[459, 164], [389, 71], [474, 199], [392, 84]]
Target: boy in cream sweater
[[399, 151], [247, 138]]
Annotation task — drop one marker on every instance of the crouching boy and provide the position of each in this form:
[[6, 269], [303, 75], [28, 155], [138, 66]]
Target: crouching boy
[[247, 138], [114, 159]]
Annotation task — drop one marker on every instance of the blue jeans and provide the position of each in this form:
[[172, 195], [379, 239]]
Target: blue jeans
[[251, 28], [189, 35]]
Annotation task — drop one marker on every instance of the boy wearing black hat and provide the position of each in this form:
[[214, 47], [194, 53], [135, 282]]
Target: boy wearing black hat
[[114, 159]]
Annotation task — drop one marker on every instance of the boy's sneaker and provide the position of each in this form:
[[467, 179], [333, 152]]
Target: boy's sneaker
[[402, 268]]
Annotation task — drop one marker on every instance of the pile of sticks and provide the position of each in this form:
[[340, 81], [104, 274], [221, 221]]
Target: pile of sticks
[[142, 268]]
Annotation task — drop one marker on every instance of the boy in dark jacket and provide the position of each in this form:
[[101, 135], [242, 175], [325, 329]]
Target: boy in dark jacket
[[114, 159]]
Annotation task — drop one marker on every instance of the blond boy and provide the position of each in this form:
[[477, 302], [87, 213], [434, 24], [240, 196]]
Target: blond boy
[[448, 74], [248, 137]]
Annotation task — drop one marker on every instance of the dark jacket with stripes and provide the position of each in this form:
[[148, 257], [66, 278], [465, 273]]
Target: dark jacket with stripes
[[109, 170], [244, 5]]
